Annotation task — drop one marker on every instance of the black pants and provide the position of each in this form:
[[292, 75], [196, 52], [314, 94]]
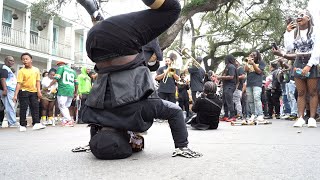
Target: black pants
[[184, 103], [28, 99], [1, 117], [228, 104], [83, 100], [168, 96], [273, 102], [125, 34], [139, 117]]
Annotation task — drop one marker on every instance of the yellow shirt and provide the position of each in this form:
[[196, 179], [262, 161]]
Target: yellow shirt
[[28, 78]]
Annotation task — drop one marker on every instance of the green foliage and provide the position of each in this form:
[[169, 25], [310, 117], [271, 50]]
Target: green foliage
[[192, 4], [47, 8], [244, 26]]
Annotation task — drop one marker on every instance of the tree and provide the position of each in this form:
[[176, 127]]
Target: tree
[[236, 26]]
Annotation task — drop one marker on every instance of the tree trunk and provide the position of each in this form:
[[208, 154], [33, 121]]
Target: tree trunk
[[187, 12]]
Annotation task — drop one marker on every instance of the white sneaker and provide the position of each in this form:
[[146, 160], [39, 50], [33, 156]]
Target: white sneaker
[[53, 122], [15, 125], [252, 118], [312, 123], [38, 126], [22, 129], [49, 122], [286, 116], [260, 118], [299, 123]]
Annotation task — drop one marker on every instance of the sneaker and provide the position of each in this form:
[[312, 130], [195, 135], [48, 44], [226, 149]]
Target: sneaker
[[68, 124], [53, 122], [292, 117], [231, 119], [4, 124], [252, 118], [22, 129], [299, 123], [260, 118], [49, 122], [277, 116], [286, 116], [38, 126], [15, 125], [267, 117], [312, 123], [223, 119], [186, 152]]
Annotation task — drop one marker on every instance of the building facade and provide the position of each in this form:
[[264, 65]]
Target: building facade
[[48, 40]]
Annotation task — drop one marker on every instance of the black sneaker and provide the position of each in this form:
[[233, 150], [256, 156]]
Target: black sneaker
[[292, 117], [267, 117], [186, 152]]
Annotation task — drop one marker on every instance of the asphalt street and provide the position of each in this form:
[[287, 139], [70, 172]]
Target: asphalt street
[[276, 151]]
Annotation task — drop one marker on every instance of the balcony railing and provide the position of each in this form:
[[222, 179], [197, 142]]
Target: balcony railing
[[18, 38], [39, 44], [13, 37], [61, 50]]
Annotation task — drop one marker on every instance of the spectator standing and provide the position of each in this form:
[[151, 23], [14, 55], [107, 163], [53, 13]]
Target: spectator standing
[[67, 90], [84, 88], [183, 96], [8, 86], [254, 68], [197, 75], [48, 98], [29, 93], [167, 77]]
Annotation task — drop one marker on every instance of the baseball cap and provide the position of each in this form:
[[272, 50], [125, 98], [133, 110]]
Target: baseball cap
[[110, 144], [60, 62]]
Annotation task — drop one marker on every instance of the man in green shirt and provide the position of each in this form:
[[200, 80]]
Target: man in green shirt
[[67, 90]]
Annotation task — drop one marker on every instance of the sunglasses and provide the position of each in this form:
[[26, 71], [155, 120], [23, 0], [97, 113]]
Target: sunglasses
[[302, 15]]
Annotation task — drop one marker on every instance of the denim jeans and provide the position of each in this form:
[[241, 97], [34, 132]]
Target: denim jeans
[[290, 89], [254, 100], [286, 104], [9, 107]]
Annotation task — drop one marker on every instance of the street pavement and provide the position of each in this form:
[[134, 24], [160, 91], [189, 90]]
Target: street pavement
[[276, 151]]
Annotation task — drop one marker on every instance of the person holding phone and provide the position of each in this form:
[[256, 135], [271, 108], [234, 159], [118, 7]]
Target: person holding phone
[[300, 40]]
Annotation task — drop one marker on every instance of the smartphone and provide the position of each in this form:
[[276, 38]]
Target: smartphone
[[274, 45]]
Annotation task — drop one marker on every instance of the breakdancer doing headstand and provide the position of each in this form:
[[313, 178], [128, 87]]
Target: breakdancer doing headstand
[[123, 98]]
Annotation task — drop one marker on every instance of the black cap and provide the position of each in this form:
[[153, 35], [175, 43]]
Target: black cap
[[107, 144]]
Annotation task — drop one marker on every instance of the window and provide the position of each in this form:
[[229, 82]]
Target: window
[[34, 33], [81, 43], [6, 22], [79, 53]]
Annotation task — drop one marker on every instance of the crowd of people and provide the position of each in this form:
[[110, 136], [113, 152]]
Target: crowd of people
[[124, 101], [46, 97]]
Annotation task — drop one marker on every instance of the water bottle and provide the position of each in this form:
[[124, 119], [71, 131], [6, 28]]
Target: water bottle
[[299, 71]]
